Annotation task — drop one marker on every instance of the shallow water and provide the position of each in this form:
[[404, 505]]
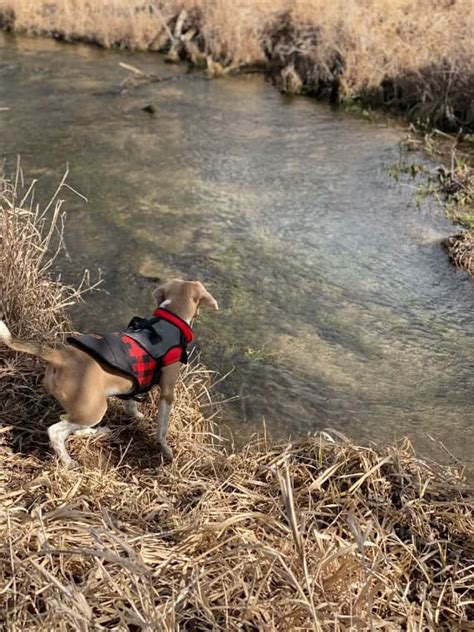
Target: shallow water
[[338, 307]]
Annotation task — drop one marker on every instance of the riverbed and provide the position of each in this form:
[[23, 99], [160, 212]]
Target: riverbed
[[338, 306]]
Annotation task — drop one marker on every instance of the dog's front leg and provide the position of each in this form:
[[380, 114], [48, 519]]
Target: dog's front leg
[[169, 376], [163, 419]]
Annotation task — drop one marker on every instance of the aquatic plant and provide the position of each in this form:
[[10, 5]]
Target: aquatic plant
[[452, 182], [317, 534]]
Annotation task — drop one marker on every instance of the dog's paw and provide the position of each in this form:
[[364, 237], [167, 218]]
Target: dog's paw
[[131, 409], [71, 465], [88, 432], [166, 452]]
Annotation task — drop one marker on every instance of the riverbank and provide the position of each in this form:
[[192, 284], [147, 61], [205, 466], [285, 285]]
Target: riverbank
[[318, 534], [408, 57]]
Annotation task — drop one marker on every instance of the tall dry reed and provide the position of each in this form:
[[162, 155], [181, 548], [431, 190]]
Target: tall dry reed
[[411, 56], [31, 301], [318, 534]]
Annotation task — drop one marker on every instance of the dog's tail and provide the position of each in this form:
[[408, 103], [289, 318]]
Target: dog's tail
[[54, 356]]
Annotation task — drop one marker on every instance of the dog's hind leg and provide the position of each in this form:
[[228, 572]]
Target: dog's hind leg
[[58, 433], [131, 408], [86, 432]]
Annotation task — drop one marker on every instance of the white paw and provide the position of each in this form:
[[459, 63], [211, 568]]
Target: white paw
[[71, 464], [139, 415], [84, 432], [87, 432]]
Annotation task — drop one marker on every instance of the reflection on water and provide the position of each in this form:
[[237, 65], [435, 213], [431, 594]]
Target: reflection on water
[[339, 307]]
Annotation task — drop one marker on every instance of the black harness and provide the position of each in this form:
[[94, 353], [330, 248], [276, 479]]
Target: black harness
[[157, 336]]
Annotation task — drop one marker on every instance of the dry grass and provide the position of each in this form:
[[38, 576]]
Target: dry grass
[[457, 186], [310, 536], [461, 250], [31, 237], [413, 56], [313, 535]]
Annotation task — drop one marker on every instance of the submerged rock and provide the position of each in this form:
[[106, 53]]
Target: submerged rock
[[150, 108]]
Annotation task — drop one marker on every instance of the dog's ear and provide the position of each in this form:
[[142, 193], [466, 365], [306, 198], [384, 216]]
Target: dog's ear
[[159, 294], [203, 297]]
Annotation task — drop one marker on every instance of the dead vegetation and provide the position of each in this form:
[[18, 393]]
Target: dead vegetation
[[457, 186], [460, 248], [314, 535], [414, 57], [319, 534], [34, 304]]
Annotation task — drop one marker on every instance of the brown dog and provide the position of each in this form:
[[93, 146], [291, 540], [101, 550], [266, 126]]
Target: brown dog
[[82, 383]]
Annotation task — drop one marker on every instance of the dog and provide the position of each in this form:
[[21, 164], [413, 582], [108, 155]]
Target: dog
[[87, 370]]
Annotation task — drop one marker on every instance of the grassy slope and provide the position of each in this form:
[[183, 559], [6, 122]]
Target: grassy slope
[[316, 535]]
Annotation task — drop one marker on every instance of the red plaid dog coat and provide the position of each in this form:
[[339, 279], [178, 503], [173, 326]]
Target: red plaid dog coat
[[142, 350]]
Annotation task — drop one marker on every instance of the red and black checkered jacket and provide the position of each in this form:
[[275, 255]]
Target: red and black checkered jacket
[[142, 349]]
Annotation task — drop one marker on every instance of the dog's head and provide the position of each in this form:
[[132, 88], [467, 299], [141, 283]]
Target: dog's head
[[184, 298]]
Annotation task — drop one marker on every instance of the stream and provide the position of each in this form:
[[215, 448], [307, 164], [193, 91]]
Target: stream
[[339, 308]]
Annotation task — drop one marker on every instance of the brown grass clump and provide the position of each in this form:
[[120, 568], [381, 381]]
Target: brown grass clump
[[457, 186], [412, 56], [311, 535], [461, 251]]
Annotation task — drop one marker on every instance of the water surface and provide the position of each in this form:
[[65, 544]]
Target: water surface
[[339, 308]]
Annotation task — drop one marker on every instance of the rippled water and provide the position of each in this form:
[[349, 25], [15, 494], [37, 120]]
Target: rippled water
[[339, 308]]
